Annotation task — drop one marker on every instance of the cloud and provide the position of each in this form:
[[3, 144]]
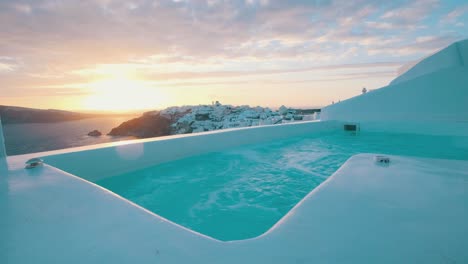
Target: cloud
[[8, 65], [257, 2], [22, 8], [46, 92], [5, 67], [455, 14], [60, 42], [323, 79], [412, 13], [421, 45]]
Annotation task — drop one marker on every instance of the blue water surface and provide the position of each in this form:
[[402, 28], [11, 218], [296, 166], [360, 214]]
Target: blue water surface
[[240, 193]]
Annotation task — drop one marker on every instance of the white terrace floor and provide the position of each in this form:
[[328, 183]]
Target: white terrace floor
[[414, 211]]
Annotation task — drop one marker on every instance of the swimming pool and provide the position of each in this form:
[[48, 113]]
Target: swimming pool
[[241, 192]]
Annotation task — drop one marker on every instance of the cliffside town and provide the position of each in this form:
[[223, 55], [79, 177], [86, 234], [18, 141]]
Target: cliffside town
[[193, 119]]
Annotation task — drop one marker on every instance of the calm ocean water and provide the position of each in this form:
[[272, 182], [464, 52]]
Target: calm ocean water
[[30, 138]]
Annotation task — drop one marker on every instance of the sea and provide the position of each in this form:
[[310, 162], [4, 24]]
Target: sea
[[38, 137]]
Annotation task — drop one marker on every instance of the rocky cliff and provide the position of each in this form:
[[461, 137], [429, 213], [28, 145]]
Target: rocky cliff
[[150, 124]]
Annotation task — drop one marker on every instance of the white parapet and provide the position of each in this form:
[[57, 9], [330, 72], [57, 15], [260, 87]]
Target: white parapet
[[430, 98], [2, 142]]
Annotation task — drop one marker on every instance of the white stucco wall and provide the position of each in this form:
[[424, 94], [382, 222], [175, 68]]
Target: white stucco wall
[[100, 161], [431, 103], [455, 55], [2, 141]]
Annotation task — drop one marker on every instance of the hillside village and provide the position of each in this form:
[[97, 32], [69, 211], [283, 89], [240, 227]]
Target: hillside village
[[193, 119]]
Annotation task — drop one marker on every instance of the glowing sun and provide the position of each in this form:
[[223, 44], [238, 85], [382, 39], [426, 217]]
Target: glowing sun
[[123, 94]]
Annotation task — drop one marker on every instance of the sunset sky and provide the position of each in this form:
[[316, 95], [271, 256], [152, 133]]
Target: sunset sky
[[131, 55]]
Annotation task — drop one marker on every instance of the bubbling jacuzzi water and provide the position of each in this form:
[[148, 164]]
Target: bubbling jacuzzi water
[[240, 193]]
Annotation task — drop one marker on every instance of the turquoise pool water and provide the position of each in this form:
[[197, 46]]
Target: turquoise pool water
[[240, 193]]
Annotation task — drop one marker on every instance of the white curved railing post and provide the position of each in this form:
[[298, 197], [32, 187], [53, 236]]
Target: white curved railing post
[[2, 142]]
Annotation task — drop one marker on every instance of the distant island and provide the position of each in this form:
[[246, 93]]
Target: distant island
[[21, 115], [193, 119], [15, 115]]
